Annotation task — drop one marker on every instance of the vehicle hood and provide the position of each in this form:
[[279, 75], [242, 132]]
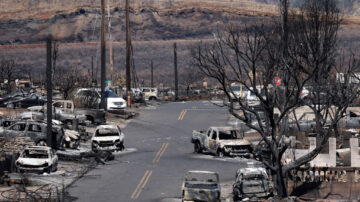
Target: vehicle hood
[[35, 108], [72, 134], [32, 161], [107, 138], [115, 99], [255, 186], [239, 142]]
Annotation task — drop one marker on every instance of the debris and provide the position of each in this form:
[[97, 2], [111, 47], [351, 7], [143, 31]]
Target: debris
[[201, 186]]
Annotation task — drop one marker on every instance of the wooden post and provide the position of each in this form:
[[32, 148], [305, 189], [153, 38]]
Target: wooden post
[[152, 75], [176, 74], [50, 140], [110, 44], [128, 54], [103, 55]]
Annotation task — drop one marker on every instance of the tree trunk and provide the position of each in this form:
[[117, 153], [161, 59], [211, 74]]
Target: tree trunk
[[279, 180]]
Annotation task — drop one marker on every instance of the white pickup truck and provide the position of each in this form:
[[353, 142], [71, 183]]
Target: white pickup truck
[[221, 141]]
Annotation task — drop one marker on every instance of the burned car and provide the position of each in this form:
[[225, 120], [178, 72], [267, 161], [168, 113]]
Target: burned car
[[37, 159], [107, 138], [252, 183], [222, 141], [201, 186], [33, 99], [35, 130]]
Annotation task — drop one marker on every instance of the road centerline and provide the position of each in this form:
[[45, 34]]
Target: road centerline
[[160, 152], [139, 185], [182, 114], [144, 184]]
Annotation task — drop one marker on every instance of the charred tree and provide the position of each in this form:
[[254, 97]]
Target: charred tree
[[103, 55], [51, 141], [249, 56]]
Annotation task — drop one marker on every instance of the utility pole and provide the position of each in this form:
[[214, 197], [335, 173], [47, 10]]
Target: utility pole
[[103, 55], [176, 74], [50, 140], [284, 6], [152, 74], [92, 70], [128, 52], [110, 43]]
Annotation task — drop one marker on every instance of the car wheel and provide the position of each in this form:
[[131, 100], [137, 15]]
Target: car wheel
[[48, 170], [121, 147], [197, 147], [220, 153], [41, 143], [152, 98], [10, 106]]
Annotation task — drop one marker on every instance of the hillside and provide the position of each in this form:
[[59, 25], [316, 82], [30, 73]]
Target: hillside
[[155, 25]]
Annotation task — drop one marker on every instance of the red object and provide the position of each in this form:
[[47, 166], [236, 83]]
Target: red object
[[277, 81]]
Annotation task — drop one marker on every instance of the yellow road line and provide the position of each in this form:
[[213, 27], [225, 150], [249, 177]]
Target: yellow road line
[[182, 114], [158, 153], [139, 185], [144, 184], [163, 151]]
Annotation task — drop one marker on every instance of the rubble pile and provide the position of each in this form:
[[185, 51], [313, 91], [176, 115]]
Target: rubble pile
[[14, 145]]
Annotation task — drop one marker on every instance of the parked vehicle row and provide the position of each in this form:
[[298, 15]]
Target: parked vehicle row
[[251, 184]]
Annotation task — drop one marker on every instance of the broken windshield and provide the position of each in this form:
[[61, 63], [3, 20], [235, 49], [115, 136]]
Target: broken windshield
[[227, 135], [106, 132], [38, 154]]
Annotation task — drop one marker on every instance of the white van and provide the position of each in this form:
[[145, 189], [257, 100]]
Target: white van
[[251, 99], [238, 91]]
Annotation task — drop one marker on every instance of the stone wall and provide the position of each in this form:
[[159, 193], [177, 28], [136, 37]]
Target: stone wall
[[14, 145]]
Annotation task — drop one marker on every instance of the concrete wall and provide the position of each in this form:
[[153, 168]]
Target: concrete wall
[[321, 160], [354, 150]]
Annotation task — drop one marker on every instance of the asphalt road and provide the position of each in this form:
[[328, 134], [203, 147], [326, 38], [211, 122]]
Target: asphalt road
[[164, 154]]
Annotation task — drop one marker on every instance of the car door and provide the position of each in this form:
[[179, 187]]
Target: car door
[[54, 159], [207, 139], [34, 132], [30, 101], [16, 130], [212, 141]]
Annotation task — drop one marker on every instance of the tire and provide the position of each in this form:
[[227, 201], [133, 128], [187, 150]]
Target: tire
[[197, 147], [221, 154], [48, 170], [10, 106], [41, 143], [121, 147], [152, 98]]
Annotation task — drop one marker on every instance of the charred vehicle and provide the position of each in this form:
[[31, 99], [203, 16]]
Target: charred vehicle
[[221, 141], [33, 99], [37, 159], [349, 120], [252, 183], [71, 137], [35, 130], [12, 96], [201, 186], [64, 111], [107, 138]]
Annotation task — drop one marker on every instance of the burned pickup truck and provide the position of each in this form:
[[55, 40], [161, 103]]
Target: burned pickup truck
[[201, 186], [64, 111], [221, 141], [252, 184]]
